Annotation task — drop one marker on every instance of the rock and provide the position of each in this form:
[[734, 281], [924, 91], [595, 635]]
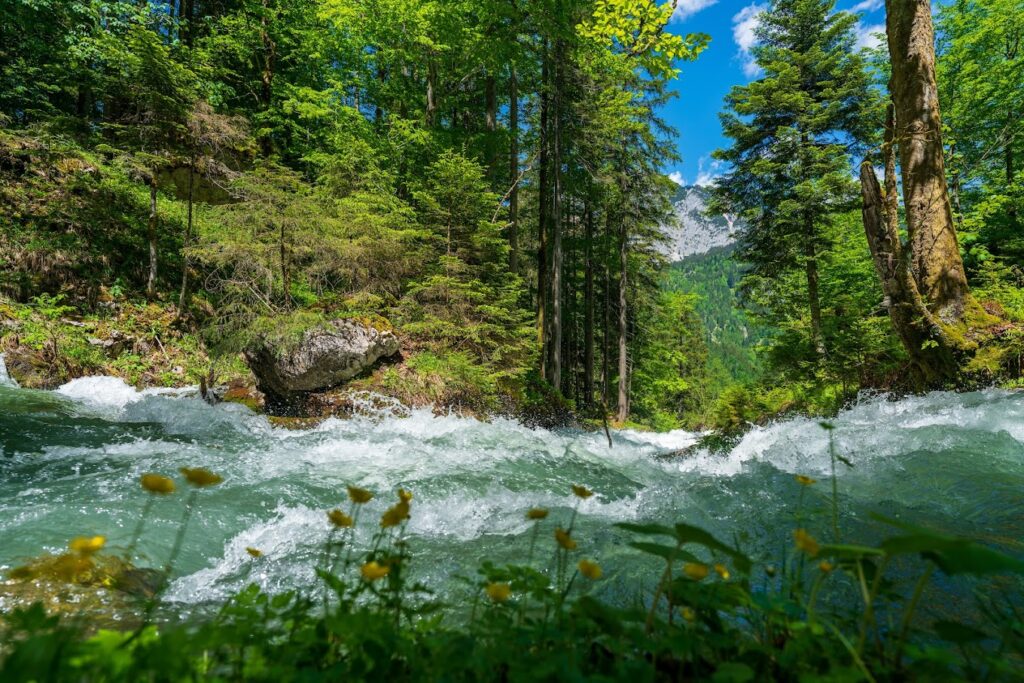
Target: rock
[[114, 346], [325, 357]]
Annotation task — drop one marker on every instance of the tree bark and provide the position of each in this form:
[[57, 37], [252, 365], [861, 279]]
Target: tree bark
[[431, 113], [183, 299], [813, 298], [921, 335], [513, 171], [623, 397], [588, 311], [542, 223], [267, 74], [556, 226], [151, 237], [936, 262]]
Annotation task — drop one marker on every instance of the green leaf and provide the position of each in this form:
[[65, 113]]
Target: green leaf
[[666, 552], [955, 632], [647, 529]]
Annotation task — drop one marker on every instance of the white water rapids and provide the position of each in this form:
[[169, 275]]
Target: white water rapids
[[70, 462]]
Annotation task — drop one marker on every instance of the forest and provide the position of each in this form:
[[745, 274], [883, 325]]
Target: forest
[[315, 255], [486, 178]]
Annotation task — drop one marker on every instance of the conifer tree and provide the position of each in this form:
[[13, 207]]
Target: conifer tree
[[791, 132]]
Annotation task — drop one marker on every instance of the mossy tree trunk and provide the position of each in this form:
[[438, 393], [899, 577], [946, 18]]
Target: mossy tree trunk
[[935, 258]]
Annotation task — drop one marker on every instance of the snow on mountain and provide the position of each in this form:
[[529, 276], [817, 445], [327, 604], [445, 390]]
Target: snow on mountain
[[691, 231]]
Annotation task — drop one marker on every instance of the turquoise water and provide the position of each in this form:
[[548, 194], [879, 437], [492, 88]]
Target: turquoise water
[[70, 462]]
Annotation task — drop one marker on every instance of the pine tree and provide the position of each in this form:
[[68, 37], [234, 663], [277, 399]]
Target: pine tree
[[792, 130]]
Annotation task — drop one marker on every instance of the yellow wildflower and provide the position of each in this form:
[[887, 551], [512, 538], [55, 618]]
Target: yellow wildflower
[[404, 495], [582, 491], [805, 542], [395, 514], [358, 495], [255, 552], [696, 570], [536, 513], [201, 477], [825, 566], [498, 592], [689, 614], [805, 481], [83, 545], [157, 483], [339, 519], [591, 570], [722, 571], [372, 571], [564, 539], [770, 570]]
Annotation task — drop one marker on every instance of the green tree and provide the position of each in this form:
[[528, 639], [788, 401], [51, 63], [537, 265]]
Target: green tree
[[791, 133]]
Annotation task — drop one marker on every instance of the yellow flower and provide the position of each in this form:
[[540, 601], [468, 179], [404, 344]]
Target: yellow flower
[[696, 570], [358, 495], [254, 552], [805, 481], [372, 571], [689, 614], [722, 571], [564, 539], [582, 491], [591, 570], [339, 519], [770, 570], [826, 566], [201, 477], [157, 483], [536, 513], [805, 542], [498, 592], [404, 495], [83, 545], [395, 514]]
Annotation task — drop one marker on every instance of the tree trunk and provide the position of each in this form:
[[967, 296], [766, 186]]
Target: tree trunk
[[267, 75], [431, 92], [491, 123], [921, 335], [513, 172], [813, 298], [542, 224], [151, 237], [183, 299], [556, 227], [623, 398], [937, 266], [588, 311]]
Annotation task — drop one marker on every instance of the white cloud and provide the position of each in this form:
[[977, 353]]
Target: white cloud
[[686, 8], [867, 6], [744, 23], [708, 171], [867, 35], [677, 178]]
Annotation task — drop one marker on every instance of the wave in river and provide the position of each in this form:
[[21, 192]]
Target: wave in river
[[72, 458]]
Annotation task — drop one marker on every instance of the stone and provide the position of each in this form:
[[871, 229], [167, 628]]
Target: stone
[[325, 357]]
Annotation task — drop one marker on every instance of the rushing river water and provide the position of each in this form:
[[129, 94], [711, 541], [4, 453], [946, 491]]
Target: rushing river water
[[70, 461]]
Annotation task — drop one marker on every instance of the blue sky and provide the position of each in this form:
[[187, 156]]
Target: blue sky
[[703, 84]]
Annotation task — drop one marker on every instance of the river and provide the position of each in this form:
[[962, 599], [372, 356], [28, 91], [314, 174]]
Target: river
[[70, 462]]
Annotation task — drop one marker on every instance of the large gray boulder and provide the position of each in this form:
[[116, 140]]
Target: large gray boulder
[[325, 357]]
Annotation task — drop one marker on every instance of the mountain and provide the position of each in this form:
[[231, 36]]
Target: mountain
[[691, 231]]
